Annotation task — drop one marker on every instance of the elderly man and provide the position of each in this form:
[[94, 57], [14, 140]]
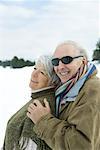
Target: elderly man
[[76, 125]]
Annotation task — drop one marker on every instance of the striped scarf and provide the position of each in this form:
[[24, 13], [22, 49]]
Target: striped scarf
[[69, 90]]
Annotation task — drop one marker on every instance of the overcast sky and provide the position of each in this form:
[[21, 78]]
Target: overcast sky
[[29, 28]]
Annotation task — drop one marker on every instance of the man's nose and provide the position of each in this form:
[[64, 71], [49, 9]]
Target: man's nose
[[61, 65]]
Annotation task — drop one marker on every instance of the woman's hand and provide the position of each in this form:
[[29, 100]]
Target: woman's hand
[[36, 110]]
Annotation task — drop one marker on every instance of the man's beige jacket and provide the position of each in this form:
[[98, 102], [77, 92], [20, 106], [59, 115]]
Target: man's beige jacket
[[78, 126]]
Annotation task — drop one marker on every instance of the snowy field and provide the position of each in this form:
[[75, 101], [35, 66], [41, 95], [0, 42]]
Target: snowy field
[[14, 93]]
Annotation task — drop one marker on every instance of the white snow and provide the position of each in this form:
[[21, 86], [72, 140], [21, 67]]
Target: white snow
[[14, 93]]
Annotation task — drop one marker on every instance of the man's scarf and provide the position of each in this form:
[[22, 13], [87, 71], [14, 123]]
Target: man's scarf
[[69, 90]]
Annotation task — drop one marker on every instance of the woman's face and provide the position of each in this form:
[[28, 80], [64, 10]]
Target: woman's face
[[39, 78]]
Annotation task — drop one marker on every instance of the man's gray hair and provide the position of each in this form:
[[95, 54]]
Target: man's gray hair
[[81, 50], [47, 63]]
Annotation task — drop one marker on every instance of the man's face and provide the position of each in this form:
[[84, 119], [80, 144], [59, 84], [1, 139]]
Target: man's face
[[67, 71]]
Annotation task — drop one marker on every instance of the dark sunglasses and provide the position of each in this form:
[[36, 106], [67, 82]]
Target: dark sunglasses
[[64, 60]]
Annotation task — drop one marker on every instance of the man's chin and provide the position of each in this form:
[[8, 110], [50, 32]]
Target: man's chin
[[65, 80]]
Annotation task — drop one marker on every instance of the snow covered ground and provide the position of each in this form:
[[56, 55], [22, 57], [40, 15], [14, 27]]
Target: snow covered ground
[[14, 93]]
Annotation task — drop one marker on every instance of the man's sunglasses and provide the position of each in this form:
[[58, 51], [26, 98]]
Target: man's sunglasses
[[64, 60]]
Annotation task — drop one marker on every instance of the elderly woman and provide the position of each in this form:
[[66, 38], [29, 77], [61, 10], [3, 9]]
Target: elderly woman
[[19, 133]]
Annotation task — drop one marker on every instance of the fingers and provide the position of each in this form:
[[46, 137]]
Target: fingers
[[33, 105], [46, 103], [36, 110], [28, 114], [37, 103], [30, 109]]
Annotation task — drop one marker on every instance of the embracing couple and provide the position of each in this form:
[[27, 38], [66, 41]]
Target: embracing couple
[[64, 110]]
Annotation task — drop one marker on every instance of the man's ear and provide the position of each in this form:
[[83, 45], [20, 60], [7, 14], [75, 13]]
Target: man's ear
[[84, 60]]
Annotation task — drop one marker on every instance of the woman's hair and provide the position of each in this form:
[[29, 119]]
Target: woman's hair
[[45, 60]]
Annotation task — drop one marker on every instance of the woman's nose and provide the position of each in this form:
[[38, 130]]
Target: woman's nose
[[35, 73]]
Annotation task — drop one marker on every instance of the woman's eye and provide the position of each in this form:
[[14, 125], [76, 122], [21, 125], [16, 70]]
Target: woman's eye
[[42, 73], [35, 68]]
